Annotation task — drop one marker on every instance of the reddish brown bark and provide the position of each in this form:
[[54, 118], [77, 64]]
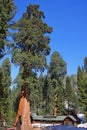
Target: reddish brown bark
[[24, 112]]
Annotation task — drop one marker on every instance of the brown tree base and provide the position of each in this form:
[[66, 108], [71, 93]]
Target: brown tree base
[[23, 121]]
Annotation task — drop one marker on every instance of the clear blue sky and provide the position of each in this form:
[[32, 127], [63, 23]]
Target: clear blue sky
[[69, 21]]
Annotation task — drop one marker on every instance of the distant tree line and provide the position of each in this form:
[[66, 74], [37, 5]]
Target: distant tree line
[[52, 92]]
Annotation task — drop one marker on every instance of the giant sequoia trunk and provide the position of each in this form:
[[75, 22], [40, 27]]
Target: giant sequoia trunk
[[23, 121]]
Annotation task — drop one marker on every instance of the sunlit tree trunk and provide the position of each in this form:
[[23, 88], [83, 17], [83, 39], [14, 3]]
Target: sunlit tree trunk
[[26, 122], [23, 113]]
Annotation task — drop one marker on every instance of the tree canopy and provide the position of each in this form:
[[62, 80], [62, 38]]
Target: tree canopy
[[31, 42]]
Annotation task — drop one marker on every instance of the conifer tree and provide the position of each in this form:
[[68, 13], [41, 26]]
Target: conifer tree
[[6, 111], [57, 71], [82, 89], [85, 65], [36, 96], [6, 14], [30, 50], [73, 80], [47, 92], [69, 94], [1, 94], [80, 83]]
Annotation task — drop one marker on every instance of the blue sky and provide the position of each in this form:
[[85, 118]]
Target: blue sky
[[69, 21]]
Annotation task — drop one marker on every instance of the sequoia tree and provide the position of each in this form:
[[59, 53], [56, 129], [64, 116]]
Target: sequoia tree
[[30, 50]]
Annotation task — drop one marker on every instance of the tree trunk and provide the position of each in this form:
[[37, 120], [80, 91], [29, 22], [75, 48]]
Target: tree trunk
[[55, 110], [23, 113], [26, 122]]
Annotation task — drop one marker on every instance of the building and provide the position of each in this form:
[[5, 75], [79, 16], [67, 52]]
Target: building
[[66, 119]]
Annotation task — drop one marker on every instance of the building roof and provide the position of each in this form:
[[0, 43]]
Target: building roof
[[52, 118]]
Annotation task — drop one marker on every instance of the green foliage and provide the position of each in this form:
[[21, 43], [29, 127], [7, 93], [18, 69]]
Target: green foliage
[[57, 66], [82, 88], [15, 96], [31, 46], [56, 72], [36, 96], [6, 14], [71, 95], [5, 96], [85, 64], [48, 97], [31, 39], [73, 81], [1, 93], [68, 89]]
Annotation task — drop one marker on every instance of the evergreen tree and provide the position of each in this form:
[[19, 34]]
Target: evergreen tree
[[57, 71], [16, 94], [6, 92], [40, 100], [70, 95], [82, 89], [36, 96], [80, 84], [85, 65], [47, 96], [6, 14], [32, 45], [1, 94], [57, 66], [73, 80]]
